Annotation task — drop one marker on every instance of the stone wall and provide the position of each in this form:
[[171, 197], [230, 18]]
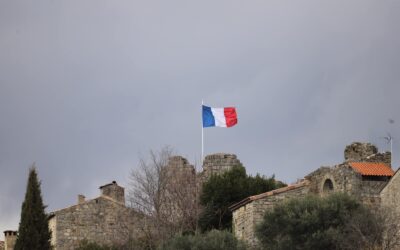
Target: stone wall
[[10, 237], [358, 151], [219, 163], [390, 194], [115, 192], [180, 194], [343, 178], [101, 220], [246, 218]]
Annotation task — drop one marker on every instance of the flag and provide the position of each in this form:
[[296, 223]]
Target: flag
[[219, 117]]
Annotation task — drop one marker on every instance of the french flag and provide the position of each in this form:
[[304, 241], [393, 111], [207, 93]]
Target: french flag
[[219, 117]]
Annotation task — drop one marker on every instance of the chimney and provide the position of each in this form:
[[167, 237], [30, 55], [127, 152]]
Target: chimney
[[81, 199], [113, 191], [9, 239]]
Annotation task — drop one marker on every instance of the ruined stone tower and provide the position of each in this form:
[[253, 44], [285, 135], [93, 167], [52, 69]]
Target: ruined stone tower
[[219, 163], [367, 152]]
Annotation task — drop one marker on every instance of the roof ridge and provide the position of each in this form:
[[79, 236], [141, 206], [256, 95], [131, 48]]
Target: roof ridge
[[269, 193]]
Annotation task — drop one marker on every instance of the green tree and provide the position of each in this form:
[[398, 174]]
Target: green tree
[[332, 222], [33, 231], [212, 240], [221, 191]]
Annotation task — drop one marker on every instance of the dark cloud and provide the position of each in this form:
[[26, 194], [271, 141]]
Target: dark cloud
[[87, 86]]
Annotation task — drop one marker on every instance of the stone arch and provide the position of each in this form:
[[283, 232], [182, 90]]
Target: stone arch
[[327, 186]]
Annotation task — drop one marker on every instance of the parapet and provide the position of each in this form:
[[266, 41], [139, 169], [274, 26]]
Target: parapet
[[219, 163], [9, 239]]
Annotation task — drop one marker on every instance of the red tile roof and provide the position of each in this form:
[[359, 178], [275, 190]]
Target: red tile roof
[[372, 168]]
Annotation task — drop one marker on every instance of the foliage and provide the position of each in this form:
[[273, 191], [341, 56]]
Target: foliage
[[212, 240], [221, 191], [131, 244], [333, 222], [86, 245], [33, 231]]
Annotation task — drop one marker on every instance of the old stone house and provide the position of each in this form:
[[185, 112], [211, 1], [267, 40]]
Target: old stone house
[[107, 220], [104, 220], [365, 174]]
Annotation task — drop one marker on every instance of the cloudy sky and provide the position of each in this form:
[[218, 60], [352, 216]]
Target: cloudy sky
[[86, 87]]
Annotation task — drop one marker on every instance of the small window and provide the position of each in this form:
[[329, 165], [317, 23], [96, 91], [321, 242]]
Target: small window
[[328, 186]]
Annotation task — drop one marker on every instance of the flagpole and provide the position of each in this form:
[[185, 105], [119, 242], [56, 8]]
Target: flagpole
[[202, 134]]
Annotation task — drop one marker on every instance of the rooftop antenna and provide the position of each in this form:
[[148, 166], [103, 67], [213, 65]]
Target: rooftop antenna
[[389, 139]]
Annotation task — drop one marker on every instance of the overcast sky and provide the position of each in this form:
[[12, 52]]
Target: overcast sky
[[86, 87]]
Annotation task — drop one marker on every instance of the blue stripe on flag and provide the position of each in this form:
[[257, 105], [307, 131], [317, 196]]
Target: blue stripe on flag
[[208, 118]]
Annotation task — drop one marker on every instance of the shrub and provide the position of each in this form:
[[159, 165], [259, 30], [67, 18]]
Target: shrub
[[212, 240]]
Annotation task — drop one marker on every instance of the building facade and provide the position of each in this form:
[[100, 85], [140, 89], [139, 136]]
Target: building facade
[[365, 174]]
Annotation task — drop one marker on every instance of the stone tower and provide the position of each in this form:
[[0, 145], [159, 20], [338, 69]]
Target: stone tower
[[113, 191], [9, 239], [358, 152], [219, 163]]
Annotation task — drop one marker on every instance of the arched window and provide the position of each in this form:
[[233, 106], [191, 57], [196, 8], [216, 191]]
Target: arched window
[[328, 186]]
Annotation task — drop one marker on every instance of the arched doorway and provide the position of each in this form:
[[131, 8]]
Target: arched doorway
[[328, 186]]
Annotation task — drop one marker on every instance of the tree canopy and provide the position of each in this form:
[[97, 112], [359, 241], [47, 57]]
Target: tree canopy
[[221, 191], [33, 231], [333, 222]]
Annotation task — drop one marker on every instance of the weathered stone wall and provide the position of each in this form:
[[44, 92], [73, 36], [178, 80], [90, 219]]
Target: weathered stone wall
[[219, 163], [385, 157], [358, 151], [10, 237], [343, 177], [101, 220], [180, 194], [115, 192], [390, 194], [246, 218]]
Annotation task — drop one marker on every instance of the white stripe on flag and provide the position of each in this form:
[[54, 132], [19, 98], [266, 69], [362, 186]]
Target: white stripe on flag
[[219, 117]]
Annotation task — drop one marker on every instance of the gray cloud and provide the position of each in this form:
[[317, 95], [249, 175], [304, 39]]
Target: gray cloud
[[85, 86]]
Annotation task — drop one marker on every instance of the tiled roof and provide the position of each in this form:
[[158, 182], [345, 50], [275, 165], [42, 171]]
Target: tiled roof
[[372, 168], [266, 194]]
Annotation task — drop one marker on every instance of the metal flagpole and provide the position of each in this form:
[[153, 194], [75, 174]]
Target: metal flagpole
[[202, 134]]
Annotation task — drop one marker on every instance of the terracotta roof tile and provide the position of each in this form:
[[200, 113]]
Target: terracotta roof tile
[[372, 168]]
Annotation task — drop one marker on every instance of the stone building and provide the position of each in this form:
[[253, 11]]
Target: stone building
[[9, 240], [104, 220], [365, 174], [107, 220]]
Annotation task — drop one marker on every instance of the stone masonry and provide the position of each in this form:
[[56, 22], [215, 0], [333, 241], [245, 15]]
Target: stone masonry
[[107, 220], [104, 220], [365, 174]]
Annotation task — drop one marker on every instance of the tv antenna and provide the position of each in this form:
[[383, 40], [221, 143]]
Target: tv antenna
[[389, 139]]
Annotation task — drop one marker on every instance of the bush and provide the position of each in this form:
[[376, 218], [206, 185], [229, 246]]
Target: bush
[[312, 222], [221, 191], [212, 240], [86, 245]]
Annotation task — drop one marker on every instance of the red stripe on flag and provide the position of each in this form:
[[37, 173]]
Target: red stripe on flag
[[230, 116]]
